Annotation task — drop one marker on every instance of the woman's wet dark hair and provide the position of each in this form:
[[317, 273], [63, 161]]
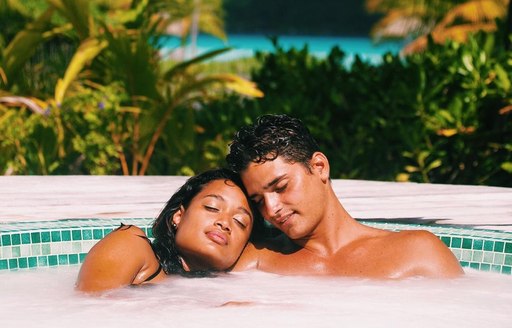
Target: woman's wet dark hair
[[164, 243]]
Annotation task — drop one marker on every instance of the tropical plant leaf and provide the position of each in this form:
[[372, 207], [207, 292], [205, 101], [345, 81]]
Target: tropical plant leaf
[[132, 60], [189, 91], [78, 13], [3, 77], [460, 32], [24, 44], [199, 59], [121, 15], [85, 53], [435, 164], [444, 19], [239, 85], [507, 166], [210, 22], [475, 12]]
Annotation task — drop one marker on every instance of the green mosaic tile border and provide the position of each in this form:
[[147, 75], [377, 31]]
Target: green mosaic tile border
[[55, 243], [66, 242]]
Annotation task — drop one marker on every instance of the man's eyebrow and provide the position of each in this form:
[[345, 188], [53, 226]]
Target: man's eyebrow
[[270, 184], [273, 182]]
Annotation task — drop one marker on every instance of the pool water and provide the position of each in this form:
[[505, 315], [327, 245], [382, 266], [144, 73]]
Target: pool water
[[247, 45], [45, 297], [39, 263]]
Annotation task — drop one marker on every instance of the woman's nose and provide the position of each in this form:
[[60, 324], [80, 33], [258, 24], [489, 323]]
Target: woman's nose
[[223, 224]]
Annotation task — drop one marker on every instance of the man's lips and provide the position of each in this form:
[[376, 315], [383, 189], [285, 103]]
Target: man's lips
[[282, 219], [217, 237]]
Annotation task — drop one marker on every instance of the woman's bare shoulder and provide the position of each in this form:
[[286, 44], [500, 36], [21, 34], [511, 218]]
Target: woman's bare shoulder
[[116, 260]]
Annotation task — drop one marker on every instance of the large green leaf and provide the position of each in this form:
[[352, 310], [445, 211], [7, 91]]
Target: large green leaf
[[122, 15], [87, 51], [23, 46], [133, 60], [178, 68], [78, 13]]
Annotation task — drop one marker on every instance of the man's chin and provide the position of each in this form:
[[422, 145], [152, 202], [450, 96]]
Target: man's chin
[[292, 234]]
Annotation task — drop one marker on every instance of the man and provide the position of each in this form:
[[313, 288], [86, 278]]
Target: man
[[287, 177]]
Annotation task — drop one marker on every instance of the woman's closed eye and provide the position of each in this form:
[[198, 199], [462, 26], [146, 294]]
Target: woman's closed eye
[[240, 222], [211, 208]]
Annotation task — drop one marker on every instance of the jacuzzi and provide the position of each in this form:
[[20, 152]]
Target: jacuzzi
[[40, 261]]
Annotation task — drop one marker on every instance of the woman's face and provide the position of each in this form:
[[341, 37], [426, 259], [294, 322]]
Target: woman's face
[[215, 227]]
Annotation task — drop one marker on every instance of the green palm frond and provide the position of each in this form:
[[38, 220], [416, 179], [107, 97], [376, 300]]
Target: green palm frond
[[196, 60], [78, 13], [85, 53], [24, 45]]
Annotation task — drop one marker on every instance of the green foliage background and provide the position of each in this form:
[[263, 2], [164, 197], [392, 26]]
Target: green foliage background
[[442, 116], [84, 88]]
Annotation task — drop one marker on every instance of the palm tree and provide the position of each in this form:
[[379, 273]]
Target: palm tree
[[443, 20], [187, 18], [115, 42]]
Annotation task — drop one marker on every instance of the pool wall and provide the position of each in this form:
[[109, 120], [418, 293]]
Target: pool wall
[[27, 245]]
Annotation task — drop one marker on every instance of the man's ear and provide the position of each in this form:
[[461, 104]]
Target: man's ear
[[320, 165], [176, 218]]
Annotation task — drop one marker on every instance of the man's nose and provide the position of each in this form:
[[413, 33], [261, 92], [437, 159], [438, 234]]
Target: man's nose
[[272, 206]]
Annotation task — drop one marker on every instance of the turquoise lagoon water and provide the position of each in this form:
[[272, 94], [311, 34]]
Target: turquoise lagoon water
[[320, 46]]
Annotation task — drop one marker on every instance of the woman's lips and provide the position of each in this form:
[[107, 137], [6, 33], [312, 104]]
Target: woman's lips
[[217, 237]]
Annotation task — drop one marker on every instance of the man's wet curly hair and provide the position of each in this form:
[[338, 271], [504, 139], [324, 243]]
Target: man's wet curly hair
[[269, 137]]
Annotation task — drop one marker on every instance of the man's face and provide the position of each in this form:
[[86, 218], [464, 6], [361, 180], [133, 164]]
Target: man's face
[[288, 195]]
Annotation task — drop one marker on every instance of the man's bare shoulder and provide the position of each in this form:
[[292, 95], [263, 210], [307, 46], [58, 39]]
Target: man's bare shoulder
[[420, 252], [416, 240]]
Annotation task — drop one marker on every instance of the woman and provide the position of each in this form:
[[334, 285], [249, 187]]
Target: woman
[[204, 227]]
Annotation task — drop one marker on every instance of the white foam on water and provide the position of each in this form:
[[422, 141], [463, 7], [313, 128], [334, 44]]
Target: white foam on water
[[45, 297]]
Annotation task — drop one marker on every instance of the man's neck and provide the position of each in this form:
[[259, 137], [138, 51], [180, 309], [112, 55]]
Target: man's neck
[[336, 230]]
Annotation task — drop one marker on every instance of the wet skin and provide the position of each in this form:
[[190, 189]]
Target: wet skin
[[214, 229], [323, 238], [211, 234]]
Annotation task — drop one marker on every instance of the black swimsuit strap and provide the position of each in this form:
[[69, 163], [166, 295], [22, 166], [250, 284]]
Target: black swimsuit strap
[[159, 265], [124, 227], [154, 274]]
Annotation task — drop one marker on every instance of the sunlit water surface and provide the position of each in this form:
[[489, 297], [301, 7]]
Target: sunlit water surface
[[46, 298]]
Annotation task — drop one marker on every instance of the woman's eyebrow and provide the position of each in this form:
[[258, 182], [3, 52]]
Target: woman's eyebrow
[[219, 197], [241, 208]]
